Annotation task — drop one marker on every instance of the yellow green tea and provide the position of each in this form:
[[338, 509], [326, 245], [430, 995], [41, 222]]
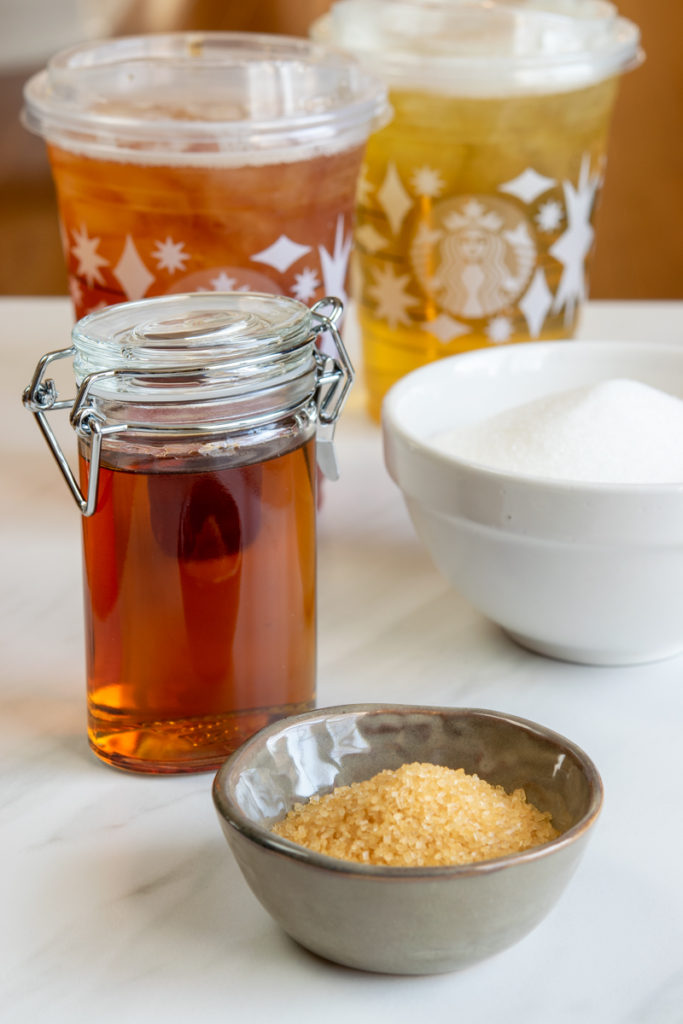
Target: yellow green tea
[[475, 223]]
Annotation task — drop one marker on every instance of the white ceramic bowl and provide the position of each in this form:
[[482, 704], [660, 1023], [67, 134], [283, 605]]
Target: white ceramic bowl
[[585, 572]]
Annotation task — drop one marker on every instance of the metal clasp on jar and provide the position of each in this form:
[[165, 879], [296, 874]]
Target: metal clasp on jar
[[334, 378], [41, 397]]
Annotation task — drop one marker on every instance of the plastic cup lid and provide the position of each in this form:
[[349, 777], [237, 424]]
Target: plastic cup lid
[[246, 97], [484, 47]]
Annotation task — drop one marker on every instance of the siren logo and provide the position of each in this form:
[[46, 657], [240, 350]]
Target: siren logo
[[476, 256]]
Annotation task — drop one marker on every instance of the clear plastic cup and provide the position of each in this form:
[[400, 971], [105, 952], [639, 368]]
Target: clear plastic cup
[[474, 222], [204, 161]]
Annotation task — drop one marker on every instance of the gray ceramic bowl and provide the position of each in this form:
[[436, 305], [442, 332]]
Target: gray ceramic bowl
[[403, 920]]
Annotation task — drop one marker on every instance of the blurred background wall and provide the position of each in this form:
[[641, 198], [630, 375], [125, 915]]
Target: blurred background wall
[[639, 251]]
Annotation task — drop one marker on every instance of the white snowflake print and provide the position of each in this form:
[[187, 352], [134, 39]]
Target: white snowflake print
[[389, 292], [499, 329], [573, 246], [306, 284], [334, 265], [223, 283], [75, 290], [170, 256], [550, 215], [364, 189], [89, 260], [427, 182]]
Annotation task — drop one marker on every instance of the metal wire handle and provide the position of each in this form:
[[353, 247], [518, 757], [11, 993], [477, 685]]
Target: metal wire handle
[[336, 377], [40, 397]]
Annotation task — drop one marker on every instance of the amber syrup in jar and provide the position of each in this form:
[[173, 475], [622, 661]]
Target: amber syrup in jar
[[201, 422], [199, 606]]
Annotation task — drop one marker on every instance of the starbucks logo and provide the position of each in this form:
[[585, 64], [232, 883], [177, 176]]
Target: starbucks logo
[[476, 256]]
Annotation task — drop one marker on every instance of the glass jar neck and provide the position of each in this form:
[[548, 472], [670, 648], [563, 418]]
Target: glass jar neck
[[178, 359], [171, 386]]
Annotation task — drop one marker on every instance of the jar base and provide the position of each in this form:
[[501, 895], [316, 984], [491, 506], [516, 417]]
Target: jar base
[[183, 746]]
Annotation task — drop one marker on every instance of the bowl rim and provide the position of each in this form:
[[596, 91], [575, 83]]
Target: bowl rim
[[229, 811], [391, 424]]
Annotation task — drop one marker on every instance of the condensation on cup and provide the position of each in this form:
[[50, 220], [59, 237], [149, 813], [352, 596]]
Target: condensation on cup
[[204, 161], [476, 202]]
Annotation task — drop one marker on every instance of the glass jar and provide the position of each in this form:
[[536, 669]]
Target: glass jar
[[198, 418]]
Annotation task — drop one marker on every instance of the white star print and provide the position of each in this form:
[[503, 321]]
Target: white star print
[[389, 292], [306, 284], [89, 260], [223, 283], [549, 216], [170, 256], [427, 182]]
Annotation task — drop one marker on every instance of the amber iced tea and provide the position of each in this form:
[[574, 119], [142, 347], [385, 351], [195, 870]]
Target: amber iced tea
[[215, 161], [200, 606], [134, 229]]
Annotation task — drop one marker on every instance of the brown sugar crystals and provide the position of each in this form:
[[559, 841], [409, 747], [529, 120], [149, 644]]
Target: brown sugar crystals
[[417, 816]]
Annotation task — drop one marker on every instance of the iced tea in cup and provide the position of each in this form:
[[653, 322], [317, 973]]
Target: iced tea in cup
[[204, 161], [475, 206]]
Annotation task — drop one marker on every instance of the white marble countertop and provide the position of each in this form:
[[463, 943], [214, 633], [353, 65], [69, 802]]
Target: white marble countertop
[[121, 901]]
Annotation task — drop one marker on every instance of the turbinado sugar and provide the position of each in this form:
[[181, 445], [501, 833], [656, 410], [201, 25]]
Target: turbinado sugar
[[616, 431], [417, 816]]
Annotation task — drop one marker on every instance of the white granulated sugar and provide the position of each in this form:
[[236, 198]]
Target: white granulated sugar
[[616, 431]]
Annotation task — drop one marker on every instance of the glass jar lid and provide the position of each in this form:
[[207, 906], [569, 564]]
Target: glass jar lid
[[187, 348]]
